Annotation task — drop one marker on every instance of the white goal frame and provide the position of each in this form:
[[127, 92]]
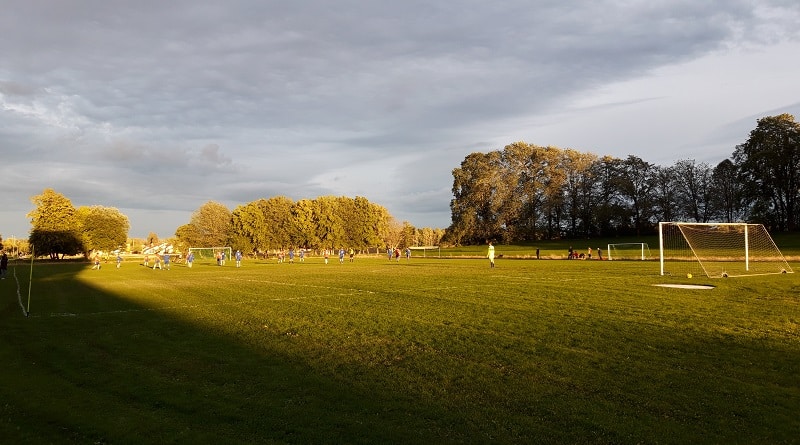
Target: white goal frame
[[228, 253], [644, 250], [737, 249]]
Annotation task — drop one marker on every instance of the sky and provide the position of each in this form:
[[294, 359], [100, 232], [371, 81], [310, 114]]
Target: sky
[[157, 107]]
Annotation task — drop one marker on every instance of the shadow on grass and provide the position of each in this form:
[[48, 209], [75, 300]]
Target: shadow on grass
[[90, 366], [113, 372]]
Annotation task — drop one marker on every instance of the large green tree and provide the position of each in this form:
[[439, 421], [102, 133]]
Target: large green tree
[[769, 164], [210, 226], [55, 225], [102, 228]]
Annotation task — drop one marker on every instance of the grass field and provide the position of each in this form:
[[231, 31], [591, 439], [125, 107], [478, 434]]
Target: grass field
[[427, 351]]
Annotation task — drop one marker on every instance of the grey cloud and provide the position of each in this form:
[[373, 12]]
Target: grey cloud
[[308, 98]]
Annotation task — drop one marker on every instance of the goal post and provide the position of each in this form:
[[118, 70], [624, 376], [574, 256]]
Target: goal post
[[718, 250], [208, 255], [628, 251]]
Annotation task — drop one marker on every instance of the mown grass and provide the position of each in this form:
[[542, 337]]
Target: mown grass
[[427, 351]]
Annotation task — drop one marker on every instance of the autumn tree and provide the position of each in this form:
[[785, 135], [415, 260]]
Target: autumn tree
[[329, 223], [303, 226], [55, 225], [102, 228], [209, 226]]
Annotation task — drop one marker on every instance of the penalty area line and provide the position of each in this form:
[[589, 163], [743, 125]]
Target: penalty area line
[[686, 286]]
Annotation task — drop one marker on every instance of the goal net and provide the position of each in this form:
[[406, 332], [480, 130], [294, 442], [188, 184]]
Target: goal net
[[718, 250], [628, 251], [209, 255]]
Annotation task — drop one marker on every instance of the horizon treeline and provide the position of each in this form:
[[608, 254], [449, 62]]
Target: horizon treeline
[[326, 222], [527, 192]]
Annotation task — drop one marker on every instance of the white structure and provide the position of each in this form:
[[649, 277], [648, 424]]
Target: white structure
[[718, 250], [208, 255], [628, 251]]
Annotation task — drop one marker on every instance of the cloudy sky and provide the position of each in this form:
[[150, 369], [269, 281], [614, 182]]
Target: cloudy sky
[[156, 107]]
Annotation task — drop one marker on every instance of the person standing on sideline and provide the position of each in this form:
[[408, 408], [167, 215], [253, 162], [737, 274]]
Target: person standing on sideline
[[589, 254], [325, 254], [490, 254], [3, 265], [238, 258], [166, 261], [190, 259], [599, 254]]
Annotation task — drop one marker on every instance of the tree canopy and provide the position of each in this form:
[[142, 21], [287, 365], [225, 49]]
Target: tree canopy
[[102, 228], [526, 192], [61, 229], [56, 230], [324, 222]]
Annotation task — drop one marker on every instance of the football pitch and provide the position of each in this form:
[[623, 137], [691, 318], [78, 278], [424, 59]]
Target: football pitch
[[375, 351]]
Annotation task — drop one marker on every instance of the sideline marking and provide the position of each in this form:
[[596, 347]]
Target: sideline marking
[[19, 296]]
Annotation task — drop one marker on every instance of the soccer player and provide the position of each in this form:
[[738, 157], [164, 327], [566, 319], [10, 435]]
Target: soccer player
[[238, 258], [3, 265], [490, 254]]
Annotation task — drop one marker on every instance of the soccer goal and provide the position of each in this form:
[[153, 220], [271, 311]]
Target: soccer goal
[[208, 255], [628, 251], [718, 250]]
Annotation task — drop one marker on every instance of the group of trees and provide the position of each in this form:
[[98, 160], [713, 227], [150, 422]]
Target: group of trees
[[61, 229], [523, 192], [527, 192], [279, 223], [259, 226]]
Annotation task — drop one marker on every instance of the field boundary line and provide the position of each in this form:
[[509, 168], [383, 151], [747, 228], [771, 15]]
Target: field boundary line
[[19, 295]]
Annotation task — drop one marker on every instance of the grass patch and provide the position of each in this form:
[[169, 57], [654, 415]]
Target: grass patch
[[427, 351]]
